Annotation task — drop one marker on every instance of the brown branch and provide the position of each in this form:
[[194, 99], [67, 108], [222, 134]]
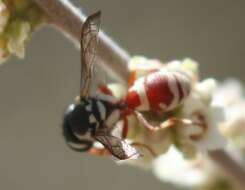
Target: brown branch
[[230, 167], [66, 17]]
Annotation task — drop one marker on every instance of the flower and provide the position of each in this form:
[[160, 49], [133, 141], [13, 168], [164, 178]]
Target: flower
[[222, 105], [199, 116], [199, 173], [203, 133], [174, 168], [18, 20], [18, 34], [4, 16], [180, 150], [197, 120], [141, 66], [230, 95]]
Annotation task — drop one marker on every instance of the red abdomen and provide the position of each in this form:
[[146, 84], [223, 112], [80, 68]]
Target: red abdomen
[[160, 91]]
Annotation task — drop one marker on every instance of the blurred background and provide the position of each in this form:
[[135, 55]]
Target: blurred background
[[35, 91]]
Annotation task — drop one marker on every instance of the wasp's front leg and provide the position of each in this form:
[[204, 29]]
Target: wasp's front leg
[[136, 144]]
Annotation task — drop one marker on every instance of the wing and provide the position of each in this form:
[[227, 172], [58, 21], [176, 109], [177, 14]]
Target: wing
[[89, 41], [117, 147]]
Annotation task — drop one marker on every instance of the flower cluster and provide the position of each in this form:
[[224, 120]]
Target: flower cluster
[[18, 19], [230, 95], [200, 132], [200, 172], [212, 113]]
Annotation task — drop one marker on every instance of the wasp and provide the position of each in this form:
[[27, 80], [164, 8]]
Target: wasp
[[93, 117]]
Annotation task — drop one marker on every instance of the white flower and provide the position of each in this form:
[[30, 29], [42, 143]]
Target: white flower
[[4, 16], [18, 20], [141, 66], [201, 109], [17, 39], [230, 95], [187, 66], [172, 167]]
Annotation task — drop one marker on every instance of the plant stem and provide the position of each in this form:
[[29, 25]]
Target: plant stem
[[231, 168], [66, 17], [69, 19]]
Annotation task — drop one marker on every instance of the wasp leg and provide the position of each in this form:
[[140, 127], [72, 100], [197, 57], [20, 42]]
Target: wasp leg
[[144, 122], [137, 144], [125, 128], [166, 124]]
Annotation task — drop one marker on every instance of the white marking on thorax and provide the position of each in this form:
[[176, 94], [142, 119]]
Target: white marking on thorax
[[113, 118], [102, 110], [108, 98], [139, 87], [92, 119]]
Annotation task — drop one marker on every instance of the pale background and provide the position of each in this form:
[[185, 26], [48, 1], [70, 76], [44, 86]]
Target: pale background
[[35, 91]]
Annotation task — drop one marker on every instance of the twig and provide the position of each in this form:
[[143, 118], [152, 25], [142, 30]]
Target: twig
[[231, 169], [69, 19], [66, 17]]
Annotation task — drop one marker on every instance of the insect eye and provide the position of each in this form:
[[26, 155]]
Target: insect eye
[[78, 119]]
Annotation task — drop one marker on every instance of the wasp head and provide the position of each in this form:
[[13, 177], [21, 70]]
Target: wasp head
[[76, 117]]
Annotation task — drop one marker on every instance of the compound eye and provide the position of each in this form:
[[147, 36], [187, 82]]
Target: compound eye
[[78, 119]]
